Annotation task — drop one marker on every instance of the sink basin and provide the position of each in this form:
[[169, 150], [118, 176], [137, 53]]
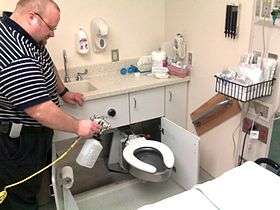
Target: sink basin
[[80, 86]]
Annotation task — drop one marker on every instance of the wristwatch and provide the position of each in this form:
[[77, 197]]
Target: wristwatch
[[65, 90]]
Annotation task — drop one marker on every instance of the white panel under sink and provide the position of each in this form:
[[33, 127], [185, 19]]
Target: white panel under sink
[[185, 147], [98, 107]]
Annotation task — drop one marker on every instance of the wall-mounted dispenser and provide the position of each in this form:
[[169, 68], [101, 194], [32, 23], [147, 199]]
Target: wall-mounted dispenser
[[232, 20], [82, 45], [99, 32]]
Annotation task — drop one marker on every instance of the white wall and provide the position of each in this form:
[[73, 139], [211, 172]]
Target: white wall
[[136, 27], [139, 26], [202, 23]]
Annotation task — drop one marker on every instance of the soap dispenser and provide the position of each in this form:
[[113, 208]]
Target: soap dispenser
[[82, 45]]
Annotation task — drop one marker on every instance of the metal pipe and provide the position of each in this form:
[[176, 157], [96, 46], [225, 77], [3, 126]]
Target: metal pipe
[[66, 75]]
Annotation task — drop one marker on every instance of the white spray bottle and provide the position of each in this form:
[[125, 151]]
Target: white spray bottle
[[89, 153]]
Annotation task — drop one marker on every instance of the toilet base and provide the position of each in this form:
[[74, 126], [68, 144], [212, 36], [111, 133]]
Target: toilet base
[[156, 177]]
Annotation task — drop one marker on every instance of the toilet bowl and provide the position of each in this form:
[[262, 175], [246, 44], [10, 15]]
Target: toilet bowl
[[149, 160]]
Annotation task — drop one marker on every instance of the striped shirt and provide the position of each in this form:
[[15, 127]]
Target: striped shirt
[[27, 75]]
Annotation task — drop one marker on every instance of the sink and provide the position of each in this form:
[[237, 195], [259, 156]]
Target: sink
[[80, 86]]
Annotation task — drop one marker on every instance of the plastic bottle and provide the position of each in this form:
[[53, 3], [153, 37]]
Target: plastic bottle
[[159, 58], [89, 153], [82, 45]]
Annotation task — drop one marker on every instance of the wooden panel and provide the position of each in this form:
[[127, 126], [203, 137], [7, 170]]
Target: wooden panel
[[217, 117]]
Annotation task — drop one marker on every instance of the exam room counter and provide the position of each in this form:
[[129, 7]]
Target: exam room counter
[[112, 83]]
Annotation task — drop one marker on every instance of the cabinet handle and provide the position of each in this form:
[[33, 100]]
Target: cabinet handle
[[135, 103], [170, 96]]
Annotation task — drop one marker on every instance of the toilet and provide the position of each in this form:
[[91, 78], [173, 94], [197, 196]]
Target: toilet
[[148, 160]]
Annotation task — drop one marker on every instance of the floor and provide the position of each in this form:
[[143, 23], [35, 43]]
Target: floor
[[126, 195]]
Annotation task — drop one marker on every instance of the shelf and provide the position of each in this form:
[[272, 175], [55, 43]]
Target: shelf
[[243, 93]]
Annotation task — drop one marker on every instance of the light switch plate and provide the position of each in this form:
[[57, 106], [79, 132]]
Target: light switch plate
[[115, 55]]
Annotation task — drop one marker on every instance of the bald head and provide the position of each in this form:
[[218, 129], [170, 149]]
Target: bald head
[[24, 6], [39, 18]]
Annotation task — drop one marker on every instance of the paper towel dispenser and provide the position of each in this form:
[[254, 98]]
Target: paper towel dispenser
[[99, 33]]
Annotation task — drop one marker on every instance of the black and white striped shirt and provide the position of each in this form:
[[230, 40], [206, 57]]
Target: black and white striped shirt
[[27, 75]]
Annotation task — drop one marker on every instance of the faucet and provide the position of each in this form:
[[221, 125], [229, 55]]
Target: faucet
[[80, 74], [66, 76]]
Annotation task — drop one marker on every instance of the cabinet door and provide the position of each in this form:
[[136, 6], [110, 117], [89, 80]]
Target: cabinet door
[[176, 104], [56, 182], [99, 107], [146, 105], [185, 147]]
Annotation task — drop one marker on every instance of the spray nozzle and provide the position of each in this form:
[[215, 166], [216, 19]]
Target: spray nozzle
[[105, 125]]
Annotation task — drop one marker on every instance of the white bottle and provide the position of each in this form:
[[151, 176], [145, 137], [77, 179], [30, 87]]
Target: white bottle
[[159, 58], [82, 45], [89, 153]]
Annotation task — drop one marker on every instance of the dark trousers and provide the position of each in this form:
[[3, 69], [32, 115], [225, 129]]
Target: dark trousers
[[20, 158]]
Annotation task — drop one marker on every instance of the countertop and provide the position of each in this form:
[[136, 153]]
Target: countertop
[[113, 83]]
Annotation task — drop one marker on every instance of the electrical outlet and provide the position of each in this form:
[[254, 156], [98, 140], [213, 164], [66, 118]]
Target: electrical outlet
[[190, 58], [115, 55], [266, 8]]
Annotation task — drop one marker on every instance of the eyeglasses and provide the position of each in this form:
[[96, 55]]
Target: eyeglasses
[[49, 27]]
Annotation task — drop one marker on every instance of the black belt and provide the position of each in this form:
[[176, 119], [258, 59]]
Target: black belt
[[5, 127]]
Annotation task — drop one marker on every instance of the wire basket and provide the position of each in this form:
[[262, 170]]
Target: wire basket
[[242, 92]]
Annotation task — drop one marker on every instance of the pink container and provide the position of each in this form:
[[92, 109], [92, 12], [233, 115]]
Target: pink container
[[179, 72]]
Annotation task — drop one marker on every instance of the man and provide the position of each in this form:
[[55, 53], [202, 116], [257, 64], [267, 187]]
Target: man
[[29, 105]]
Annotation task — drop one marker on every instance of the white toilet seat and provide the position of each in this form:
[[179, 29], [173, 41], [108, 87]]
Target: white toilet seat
[[128, 154]]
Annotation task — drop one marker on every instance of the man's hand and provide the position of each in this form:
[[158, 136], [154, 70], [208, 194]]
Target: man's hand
[[73, 98], [88, 128]]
